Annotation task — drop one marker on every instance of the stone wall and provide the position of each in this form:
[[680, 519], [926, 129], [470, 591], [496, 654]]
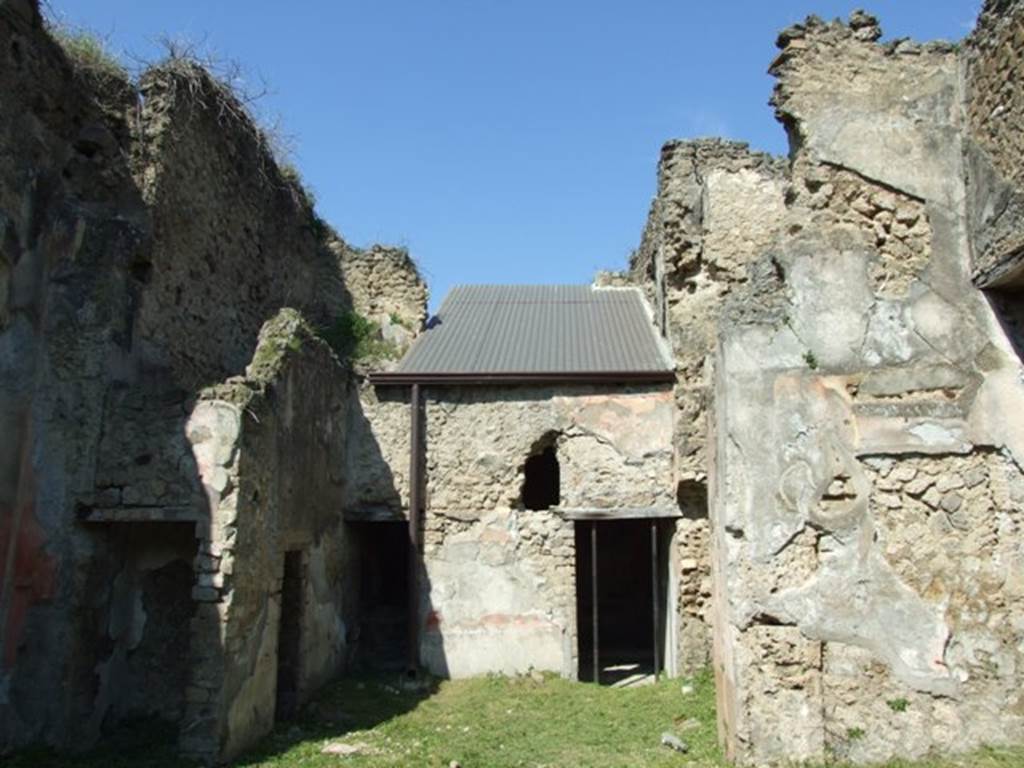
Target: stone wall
[[72, 225], [497, 580], [717, 207], [234, 239], [148, 234], [993, 142], [386, 288], [865, 481], [500, 579], [271, 457], [693, 252]]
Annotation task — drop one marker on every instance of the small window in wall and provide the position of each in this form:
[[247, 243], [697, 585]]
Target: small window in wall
[[541, 480]]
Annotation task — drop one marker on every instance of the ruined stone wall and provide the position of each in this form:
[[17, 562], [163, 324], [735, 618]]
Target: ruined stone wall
[[234, 239], [693, 252], [386, 288], [500, 579], [865, 479], [72, 225], [148, 625], [993, 142], [147, 235], [271, 457], [717, 207]]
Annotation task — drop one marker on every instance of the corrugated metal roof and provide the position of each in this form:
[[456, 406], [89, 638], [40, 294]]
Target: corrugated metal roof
[[538, 329]]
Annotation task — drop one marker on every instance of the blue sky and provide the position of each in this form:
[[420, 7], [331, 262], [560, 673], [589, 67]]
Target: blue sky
[[505, 141]]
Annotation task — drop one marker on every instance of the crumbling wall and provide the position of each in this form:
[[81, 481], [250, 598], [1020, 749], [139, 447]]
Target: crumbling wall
[[693, 252], [146, 235], [386, 288], [718, 206], [151, 607], [234, 239], [270, 451], [71, 227], [865, 480], [993, 143], [499, 579]]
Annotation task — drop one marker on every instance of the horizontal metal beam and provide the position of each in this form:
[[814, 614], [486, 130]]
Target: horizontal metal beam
[[617, 513]]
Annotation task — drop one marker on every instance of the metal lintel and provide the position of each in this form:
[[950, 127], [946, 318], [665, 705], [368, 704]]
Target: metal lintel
[[617, 513]]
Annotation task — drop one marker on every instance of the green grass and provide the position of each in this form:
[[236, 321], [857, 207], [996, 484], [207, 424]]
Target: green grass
[[502, 722], [485, 722], [353, 337]]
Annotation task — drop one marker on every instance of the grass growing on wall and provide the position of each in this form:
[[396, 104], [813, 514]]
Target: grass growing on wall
[[353, 337], [484, 722], [88, 52]]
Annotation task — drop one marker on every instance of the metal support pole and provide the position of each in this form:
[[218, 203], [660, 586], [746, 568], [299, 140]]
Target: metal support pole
[[593, 597], [654, 593], [415, 486]]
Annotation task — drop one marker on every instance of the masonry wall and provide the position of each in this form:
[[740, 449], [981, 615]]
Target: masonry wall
[[500, 578], [271, 457], [994, 105], [148, 234], [717, 207], [865, 481], [72, 224]]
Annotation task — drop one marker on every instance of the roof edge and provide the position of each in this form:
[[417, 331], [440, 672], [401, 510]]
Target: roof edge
[[525, 377]]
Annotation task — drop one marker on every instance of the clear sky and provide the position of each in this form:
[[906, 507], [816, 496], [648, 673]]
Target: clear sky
[[501, 141]]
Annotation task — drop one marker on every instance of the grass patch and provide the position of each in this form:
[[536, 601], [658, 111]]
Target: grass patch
[[353, 337], [898, 705], [503, 723], [484, 722]]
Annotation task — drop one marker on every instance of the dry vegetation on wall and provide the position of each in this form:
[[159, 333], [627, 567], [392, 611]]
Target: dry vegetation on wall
[[202, 77], [90, 53]]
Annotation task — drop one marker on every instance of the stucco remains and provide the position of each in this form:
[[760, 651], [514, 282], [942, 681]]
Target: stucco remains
[[866, 539], [498, 580], [993, 143]]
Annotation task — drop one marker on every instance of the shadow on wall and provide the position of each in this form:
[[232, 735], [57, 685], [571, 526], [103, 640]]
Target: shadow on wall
[[1008, 306], [133, 288], [392, 566]]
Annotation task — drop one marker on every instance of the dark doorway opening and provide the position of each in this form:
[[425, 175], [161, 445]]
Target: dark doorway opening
[[383, 593], [621, 599], [289, 637], [542, 480]]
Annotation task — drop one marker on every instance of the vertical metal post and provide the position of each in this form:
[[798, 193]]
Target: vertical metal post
[[593, 597], [415, 486], [654, 593]]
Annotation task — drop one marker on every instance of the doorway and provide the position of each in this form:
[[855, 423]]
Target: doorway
[[621, 599], [383, 593], [289, 637]]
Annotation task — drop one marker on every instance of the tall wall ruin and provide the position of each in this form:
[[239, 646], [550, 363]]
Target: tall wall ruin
[[862, 450], [168, 406]]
